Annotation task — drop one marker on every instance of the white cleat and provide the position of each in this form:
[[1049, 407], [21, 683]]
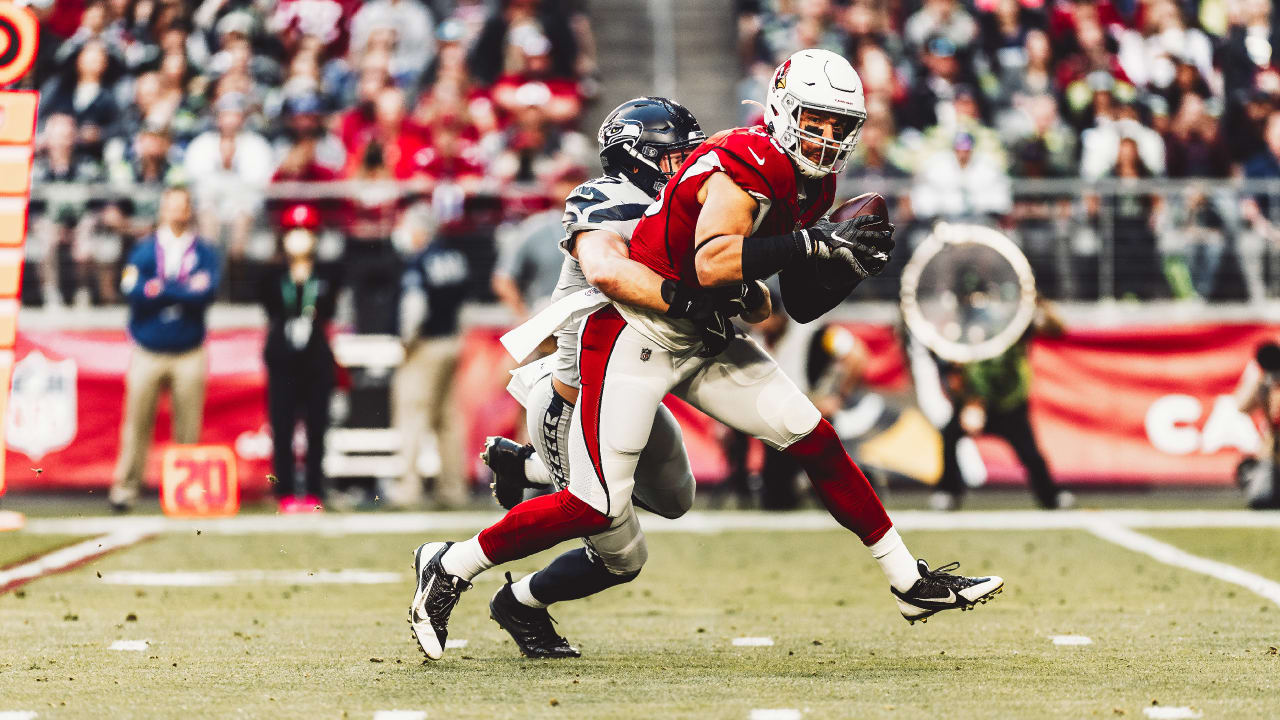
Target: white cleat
[[434, 599]]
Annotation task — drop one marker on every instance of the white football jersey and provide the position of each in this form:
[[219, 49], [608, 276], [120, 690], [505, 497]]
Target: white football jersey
[[605, 203]]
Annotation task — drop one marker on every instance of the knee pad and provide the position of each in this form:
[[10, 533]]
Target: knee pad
[[790, 413], [622, 548], [618, 578]]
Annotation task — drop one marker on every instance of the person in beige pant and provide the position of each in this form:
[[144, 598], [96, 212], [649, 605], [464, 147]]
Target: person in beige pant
[[422, 400], [169, 282], [150, 372]]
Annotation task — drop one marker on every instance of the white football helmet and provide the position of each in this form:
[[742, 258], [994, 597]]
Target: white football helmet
[[822, 82]]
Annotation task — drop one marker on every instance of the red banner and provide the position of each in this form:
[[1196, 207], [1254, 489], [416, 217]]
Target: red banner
[[1131, 405]]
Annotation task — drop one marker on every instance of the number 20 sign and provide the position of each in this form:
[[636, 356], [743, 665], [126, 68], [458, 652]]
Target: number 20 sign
[[199, 481]]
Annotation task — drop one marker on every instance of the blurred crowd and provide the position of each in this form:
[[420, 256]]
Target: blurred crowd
[[471, 106], [969, 100]]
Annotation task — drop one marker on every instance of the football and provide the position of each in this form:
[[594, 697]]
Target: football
[[833, 276]]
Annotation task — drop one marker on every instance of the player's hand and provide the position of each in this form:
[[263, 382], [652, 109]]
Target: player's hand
[[717, 332], [865, 251], [742, 299]]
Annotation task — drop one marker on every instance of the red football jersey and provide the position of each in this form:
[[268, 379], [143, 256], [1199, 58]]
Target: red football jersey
[[663, 241]]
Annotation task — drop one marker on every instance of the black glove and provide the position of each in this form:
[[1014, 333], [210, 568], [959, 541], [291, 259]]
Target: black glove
[[705, 310], [866, 252], [740, 299]]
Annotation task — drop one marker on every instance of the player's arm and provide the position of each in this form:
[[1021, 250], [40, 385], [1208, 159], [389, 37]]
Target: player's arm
[[723, 254], [604, 260]]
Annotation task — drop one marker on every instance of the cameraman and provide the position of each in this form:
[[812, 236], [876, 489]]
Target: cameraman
[[1259, 391]]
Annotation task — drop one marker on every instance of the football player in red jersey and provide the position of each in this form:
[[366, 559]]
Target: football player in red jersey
[[747, 204]]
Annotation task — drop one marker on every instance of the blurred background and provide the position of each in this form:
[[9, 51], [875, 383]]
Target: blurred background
[[1131, 149]]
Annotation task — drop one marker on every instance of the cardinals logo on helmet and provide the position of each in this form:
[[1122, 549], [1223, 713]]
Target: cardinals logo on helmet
[[780, 81]]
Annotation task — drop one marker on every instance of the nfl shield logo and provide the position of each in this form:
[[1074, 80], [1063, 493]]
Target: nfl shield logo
[[644, 354], [42, 406]]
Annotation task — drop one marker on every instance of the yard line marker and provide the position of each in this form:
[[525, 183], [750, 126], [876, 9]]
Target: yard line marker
[[1168, 712], [1170, 555], [775, 714], [1071, 639], [218, 578], [753, 642], [399, 715], [67, 558], [130, 645], [693, 522], [451, 644]]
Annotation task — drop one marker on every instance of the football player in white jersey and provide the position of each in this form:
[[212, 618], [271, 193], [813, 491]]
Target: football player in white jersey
[[642, 142]]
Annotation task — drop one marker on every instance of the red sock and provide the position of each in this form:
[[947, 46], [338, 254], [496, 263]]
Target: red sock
[[843, 488], [537, 524]]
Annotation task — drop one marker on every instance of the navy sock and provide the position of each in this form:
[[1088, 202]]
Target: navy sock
[[574, 575]]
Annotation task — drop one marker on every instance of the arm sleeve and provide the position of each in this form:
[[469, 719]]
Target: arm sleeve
[[806, 300]]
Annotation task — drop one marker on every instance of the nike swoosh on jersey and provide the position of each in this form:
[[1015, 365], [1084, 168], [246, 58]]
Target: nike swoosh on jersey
[[759, 159]]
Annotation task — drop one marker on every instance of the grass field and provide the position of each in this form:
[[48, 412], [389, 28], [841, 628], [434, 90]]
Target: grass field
[[269, 645]]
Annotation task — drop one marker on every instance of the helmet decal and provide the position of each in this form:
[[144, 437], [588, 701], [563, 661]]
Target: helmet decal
[[780, 78]]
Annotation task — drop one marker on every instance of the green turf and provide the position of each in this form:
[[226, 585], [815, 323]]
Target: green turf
[[1253, 549], [659, 647], [18, 546]]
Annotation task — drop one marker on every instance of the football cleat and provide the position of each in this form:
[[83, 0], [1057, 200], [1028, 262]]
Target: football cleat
[[939, 590], [434, 599], [530, 627], [506, 459]]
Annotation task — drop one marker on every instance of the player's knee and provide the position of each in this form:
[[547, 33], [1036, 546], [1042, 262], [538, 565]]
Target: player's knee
[[627, 562], [790, 414], [677, 500]]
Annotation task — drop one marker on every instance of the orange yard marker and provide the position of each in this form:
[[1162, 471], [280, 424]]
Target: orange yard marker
[[199, 481]]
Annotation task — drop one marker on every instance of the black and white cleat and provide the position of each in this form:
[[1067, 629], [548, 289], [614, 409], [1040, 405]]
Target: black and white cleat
[[530, 627], [506, 459], [434, 599], [939, 590]]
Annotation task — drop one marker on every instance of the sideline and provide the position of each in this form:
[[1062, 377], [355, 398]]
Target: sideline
[[1177, 557], [335, 524], [67, 558]]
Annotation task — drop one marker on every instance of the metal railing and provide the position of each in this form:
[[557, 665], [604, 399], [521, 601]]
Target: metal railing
[[1213, 239]]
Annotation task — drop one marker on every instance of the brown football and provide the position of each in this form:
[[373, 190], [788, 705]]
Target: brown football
[[838, 277], [865, 204]]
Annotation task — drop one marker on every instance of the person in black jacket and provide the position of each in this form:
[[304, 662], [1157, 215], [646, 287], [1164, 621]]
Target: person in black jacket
[[299, 300]]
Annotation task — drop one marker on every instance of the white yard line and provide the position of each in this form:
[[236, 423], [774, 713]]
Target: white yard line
[[1071, 639], [399, 715], [130, 645], [1166, 712], [17, 715], [219, 578], [426, 524], [753, 642], [68, 557], [775, 714], [1170, 555]]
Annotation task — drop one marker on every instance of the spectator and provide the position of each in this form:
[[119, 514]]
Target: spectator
[[812, 26], [305, 149], [169, 281], [58, 233], [449, 158], [564, 102], [299, 299], [86, 96], [1262, 224], [1133, 216], [229, 167], [533, 147], [529, 270], [411, 24], [398, 138], [928, 102], [959, 185], [1258, 394], [1100, 145], [433, 290], [496, 50], [943, 18]]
